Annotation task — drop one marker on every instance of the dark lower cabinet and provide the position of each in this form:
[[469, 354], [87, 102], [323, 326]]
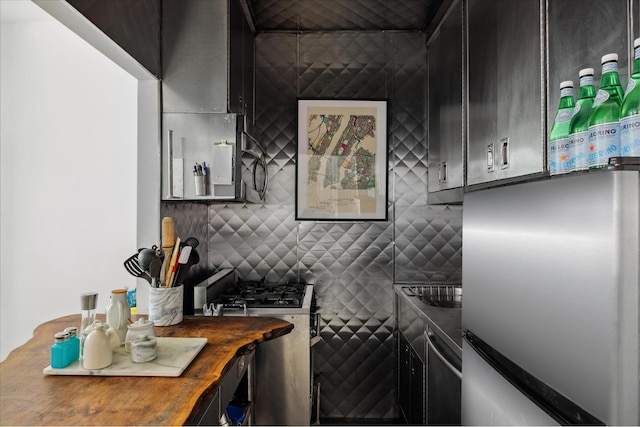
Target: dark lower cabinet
[[410, 383]]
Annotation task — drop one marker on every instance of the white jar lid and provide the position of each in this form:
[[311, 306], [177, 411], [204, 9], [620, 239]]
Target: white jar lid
[[586, 72], [610, 57]]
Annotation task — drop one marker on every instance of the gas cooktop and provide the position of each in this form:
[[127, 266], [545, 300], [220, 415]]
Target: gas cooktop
[[258, 294]]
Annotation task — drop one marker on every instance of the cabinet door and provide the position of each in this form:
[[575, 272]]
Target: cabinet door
[[506, 99], [445, 99], [241, 62], [417, 390], [236, 18], [404, 376], [194, 56]]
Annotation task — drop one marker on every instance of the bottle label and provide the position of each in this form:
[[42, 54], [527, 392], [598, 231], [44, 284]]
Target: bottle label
[[567, 91], [601, 97], [576, 109], [610, 66], [561, 152], [630, 86], [564, 115], [553, 156], [604, 142], [580, 145], [630, 136], [586, 80]]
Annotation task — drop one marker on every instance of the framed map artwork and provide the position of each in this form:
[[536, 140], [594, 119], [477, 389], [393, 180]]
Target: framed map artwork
[[341, 160]]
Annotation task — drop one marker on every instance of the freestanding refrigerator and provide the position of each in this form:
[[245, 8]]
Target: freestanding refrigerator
[[550, 278]]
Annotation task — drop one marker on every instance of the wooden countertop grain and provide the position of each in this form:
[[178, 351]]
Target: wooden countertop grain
[[28, 397]]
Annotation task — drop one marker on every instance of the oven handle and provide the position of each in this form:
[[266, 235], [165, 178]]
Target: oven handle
[[441, 357]]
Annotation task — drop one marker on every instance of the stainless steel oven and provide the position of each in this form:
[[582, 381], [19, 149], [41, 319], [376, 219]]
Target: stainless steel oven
[[285, 385]]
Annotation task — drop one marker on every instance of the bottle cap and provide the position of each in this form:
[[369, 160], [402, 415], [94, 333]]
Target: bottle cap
[[88, 301], [586, 72], [566, 84], [636, 42], [61, 336], [72, 331], [610, 57]]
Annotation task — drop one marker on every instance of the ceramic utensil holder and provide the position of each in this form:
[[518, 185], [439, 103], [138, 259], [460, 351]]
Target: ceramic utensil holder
[[165, 305]]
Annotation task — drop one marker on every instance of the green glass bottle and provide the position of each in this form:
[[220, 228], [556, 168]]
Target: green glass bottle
[[579, 126], [559, 137], [604, 123], [630, 110]]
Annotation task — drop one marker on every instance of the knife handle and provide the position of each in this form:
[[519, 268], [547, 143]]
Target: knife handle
[[168, 235], [174, 258]]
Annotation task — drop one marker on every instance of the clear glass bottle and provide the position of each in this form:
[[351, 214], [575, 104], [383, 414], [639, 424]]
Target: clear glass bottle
[[604, 123], [559, 137], [88, 303], [579, 126], [630, 110], [74, 343], [60, 351]]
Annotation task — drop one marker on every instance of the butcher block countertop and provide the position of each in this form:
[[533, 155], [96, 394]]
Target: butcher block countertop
[[27, 397]]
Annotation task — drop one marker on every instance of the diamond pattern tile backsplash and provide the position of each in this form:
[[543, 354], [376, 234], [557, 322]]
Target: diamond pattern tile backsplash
[[353, 265]]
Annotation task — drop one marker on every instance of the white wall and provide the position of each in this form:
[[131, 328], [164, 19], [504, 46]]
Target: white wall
[[68, 123]]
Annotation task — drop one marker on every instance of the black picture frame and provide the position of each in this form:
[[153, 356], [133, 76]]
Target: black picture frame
[[342, 160]]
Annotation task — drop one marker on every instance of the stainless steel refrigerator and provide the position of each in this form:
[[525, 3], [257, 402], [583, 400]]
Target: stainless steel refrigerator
[[550, 278]]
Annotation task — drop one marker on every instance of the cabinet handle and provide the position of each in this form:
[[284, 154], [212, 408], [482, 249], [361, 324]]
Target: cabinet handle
[[170, 162], [442, 172], [490, 159], [441, 357], [504, 153]]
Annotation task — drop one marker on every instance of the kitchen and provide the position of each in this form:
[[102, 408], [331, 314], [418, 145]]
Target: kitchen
[[352, 265]]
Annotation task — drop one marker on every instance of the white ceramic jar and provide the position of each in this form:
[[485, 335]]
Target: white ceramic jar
[[141, 341], [119, 312], [98, 350]]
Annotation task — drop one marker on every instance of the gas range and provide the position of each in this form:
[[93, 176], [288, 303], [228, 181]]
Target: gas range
[[286, 392], [251, 298], [258, 294]]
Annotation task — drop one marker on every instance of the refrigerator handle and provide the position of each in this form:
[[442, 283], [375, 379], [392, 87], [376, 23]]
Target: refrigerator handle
[[441, 357]]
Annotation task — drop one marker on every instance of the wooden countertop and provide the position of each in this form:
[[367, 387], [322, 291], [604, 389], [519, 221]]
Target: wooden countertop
[[27, 397]]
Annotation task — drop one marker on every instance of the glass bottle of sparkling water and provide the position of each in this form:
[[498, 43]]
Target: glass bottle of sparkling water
[[630, 110], [604, 125], [579, 126], [559, 137]]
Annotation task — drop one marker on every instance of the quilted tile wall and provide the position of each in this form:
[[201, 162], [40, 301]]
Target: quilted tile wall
[[352, 264]]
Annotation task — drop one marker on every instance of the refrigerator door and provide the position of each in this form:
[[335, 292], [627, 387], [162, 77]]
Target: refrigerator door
[[551, 282], [500, 391], [488, 399]]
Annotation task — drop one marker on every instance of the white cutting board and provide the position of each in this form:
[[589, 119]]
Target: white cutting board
[[174, 355]]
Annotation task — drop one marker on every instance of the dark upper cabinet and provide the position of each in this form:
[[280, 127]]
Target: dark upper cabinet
[[505, 93], [445, 57], [207, 57], [518, 53]]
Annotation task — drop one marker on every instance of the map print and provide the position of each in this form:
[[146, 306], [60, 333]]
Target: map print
[[341, 153]]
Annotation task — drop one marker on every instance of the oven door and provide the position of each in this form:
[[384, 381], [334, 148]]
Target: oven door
[[444, 382]]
